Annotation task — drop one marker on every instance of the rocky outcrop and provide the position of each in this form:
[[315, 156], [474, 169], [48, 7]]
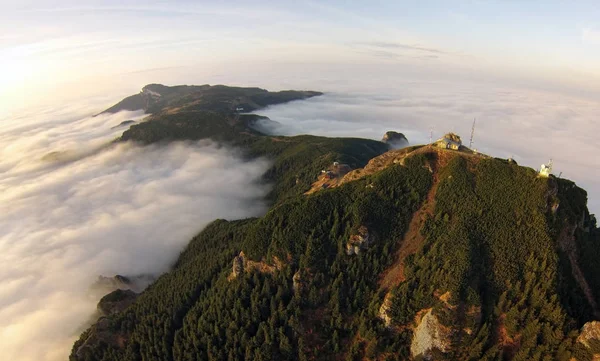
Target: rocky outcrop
[[330, 177], [453, 137], [395, 140], [119, 293], [568, 244], [137, 283], [590, 332], [117, 281], [238, 266], [116, 302], [358, 241], [429, 335], [242, 264], [384, 310], [297, 282], [99, 333]]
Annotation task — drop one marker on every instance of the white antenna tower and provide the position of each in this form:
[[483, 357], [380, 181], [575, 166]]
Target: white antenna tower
[[472, 133], [430, 135], [550, 163]]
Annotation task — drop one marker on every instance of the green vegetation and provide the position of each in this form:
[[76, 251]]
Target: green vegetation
[[185, 113], [491, 243], [508, 261], [157, 98], [296, 160], [195, 313]]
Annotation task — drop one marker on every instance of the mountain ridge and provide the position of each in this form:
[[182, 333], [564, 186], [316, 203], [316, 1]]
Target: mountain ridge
[[154, 98], [455, 256]]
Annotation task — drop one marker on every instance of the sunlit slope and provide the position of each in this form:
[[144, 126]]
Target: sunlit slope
[[502, 267], [217, 114]]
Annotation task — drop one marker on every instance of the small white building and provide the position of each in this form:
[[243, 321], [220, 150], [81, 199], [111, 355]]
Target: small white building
[[546, 169], [449, 141], [448, 144]]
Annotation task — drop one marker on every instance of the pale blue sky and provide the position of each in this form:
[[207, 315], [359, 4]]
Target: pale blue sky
[[45, 44]]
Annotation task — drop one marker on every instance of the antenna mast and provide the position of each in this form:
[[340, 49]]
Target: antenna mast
[[430, 135], [472, 133]]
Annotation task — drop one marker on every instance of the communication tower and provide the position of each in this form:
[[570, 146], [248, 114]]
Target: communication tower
[[472, 134]]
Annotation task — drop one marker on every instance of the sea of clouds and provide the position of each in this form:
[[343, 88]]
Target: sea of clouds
[[73, 207], [532, 126]]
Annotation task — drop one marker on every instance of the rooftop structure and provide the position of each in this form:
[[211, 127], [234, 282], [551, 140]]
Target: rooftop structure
[[546, 169], [449, 141]]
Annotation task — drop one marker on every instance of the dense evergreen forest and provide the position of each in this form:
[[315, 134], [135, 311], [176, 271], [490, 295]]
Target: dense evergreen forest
[[491, 243], [506, 266]]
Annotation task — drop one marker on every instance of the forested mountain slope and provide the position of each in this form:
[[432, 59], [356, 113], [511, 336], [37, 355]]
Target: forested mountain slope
[[218, 113], [491, 262], [156, 98]]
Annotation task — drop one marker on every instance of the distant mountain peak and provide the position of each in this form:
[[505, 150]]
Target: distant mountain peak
[[154, 98]]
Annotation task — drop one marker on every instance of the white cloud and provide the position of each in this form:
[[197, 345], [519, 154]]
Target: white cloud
[[532, 126], [122, 210], [63, 224]]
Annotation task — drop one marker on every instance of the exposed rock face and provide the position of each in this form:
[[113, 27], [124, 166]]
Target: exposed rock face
[[238, 266], [242, 264], [384, 310], [297, 282], [330, 177], [135, 283], [395, 140], [453, 137], [116, 302], [590, 338], [358, 241], [117, 281], [449, 141], [589, 332], [567, 242], [100, 332], [429, 334], [120, 292]]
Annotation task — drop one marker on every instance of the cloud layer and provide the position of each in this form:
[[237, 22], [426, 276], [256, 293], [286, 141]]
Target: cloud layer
[[121, 209], [72, 208], [531, 126]]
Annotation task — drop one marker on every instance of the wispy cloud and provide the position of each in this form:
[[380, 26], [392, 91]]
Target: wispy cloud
[[380, 54], [163, 9], [414, 47], [394, 50]]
